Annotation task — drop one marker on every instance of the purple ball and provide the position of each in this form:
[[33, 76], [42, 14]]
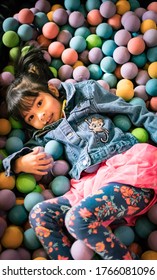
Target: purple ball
[[24, 253], [6, 78], [76, 19], [80, 251], [95, 55], [64, 37], [43, 6], [65, 72], [121, 55], [55, 82], [7, 199], [122, 37], [150, 38], [60, 16], [152, 214], [140, 91], [150, 15], [10, 254], [47, 194], [152, 240], [60, 167], [132, 23], [81, 73], [107, 9], [142, 77], [3, 226], [125, 16], [129, 70], [139, 12]]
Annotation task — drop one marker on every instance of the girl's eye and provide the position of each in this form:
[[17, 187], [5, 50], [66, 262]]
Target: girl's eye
[[30, 118], [39, 103]]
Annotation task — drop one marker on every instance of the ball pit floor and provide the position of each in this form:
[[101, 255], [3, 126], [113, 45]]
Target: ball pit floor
[[109, 41]]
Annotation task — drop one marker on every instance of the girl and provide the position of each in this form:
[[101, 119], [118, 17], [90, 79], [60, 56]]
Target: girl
[[123, 183]]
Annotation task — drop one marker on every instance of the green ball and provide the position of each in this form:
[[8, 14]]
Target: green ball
[[25, 183], [9, 68], [10, 39], [15, 123], [93, 40], [141, 134], [14, 53], [18, 215]]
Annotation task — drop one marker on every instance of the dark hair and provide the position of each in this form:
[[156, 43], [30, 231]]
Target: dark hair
[[32, 73]]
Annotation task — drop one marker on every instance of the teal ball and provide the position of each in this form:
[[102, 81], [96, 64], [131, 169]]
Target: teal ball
[[92, 4], [95, 71], [125, 234], [78, 43], [72, 5], [110, 78], [82, 31], [10, 23], [151, 87], [10, 39], [13, 144], [108, 65], [60, 185], [25, 32], [123, 122], [54, 148], [151, 54], [17, 133], [143, 227], [30, 240], [104, 30], [140, 60], [108, 47], [40, 19], [32, 199], [137, 101], [17, 215]]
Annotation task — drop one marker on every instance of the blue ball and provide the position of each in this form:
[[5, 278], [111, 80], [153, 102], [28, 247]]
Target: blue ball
[[95, 71], [60, 185], [122, 122], [54, 148], [108, 64], [18, 133], [125, 234], [92, 4], [111, 79], [104, 30], [30, 240], [152, 54], [10, 23], [151, 87], [72, 5], [25, 32], [143, 227], [108, 47], [137, 101], [13, 144], [40, 19], [78, 43], [32, 199]]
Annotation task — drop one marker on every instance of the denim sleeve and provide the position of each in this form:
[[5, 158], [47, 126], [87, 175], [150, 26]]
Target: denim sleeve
[[108, 103]]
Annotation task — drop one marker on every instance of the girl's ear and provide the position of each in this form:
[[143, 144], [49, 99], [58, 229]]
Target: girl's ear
[[53, 89]]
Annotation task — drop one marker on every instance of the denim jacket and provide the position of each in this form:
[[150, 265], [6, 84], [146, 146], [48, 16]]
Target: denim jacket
[[87, 131]]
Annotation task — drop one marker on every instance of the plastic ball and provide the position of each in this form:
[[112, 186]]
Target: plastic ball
[[93, 40], [137, 101], [15, 123], [132, 23], [152, 214], [24, 253], [60, 167], [69, 56], [56, 49], [104, 84], [65, 72], [147, 24], [95, 71], [64, 37], [43, 5], [95, 55], [78, 43], [129, 70], [10, 39], [136, 45], [3, 226], [6, 78], [10, 23], [80, 251], [17, 133], [104, 30], [125, 234], [140, 91], [122, 122], [82, 31], [135, 248], [32, 199], [126, 93], [40, 19], [152, 240], [60, 185], [54, 148], [17, 215], [60, 16], [94, 17], [140, 134], [13, 144], [5, 126], [152, 70], [151, 87], [81, 73], [122, 37], [25, 32], [25, 183], [108, 47], [142, 77], [143, 227], [25, 15], [50, 30], [121, 55], [149, 255], [47, 194], [39, 253], [76, 19], [7, 199], [12, 237], [110, 79], [92, 4], [9, 254], [149, 15], [107, 9], [122, 7], [108, 64], [6, 182], [152, 6], [30, 240], [72, 5], [115, 21]]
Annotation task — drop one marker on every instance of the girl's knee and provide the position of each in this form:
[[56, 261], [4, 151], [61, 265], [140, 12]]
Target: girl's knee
[[35, 213]]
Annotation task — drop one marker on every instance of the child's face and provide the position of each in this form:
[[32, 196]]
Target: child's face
[[45, 110]]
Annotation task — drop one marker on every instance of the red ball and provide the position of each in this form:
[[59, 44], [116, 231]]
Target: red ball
[[56, 49], [69, 56], [50, 30], [25, 16]]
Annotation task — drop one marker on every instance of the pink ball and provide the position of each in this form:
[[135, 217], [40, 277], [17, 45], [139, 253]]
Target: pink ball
[[104, 84], [65, 72], [129, 70], [56, 49], [43, 6], [140, 91], [152, 240], [81, 73], [50, 30], [60, 16], [95, 55], [107, 9], [121, 55], [142, 77], [69, 56], [55, 81], [80, 251], [122, 37], [25, 16], [6, 78], [152, 214], [76, 19]]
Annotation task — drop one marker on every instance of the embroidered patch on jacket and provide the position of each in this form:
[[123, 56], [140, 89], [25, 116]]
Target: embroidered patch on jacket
[[96, 126]]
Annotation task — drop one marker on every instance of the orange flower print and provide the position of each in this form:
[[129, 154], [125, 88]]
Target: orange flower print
[[62, 258], [66, 241], [37, 210], [127, 256], [126, 191], [93, 225], [42, 231], [100, 247], [85, 213], [33, 215], [132, 210]]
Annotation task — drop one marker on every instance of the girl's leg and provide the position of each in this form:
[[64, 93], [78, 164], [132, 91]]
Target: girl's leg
[[112, 202], [47, 219]]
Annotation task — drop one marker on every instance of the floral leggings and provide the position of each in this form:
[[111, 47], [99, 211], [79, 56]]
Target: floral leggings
[[54, 219]]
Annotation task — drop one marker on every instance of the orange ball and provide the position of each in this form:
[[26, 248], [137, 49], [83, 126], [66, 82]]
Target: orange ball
[[136, 45], [50, 15], [6, 182], [39, 258], [115, 21], [5, 126], [50, 30], [94, 17], [152, 6], [149, 255], [147, 24], [12, 237], [153, 103], [122, 7], [69, 56], [117, 72], [56, 6], [43, 41], [56, 49], [125, 83], [25, 16], [135, 248]]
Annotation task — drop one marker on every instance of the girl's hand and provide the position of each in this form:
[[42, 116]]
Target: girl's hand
[[35, 162]]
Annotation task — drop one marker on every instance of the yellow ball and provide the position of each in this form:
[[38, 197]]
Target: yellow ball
[[152, 70], [125, 92], [149, 255], [6, 182], [122, 7], [12, 237], [125, 83], [39, 258], [56, 6], [5, 126], [78, 63], [50, 15], [147, 24]]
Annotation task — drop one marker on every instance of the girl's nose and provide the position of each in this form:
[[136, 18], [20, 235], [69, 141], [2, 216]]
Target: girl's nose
[[41, 116]]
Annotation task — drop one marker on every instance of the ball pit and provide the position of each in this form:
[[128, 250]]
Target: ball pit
[[113, 42]]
